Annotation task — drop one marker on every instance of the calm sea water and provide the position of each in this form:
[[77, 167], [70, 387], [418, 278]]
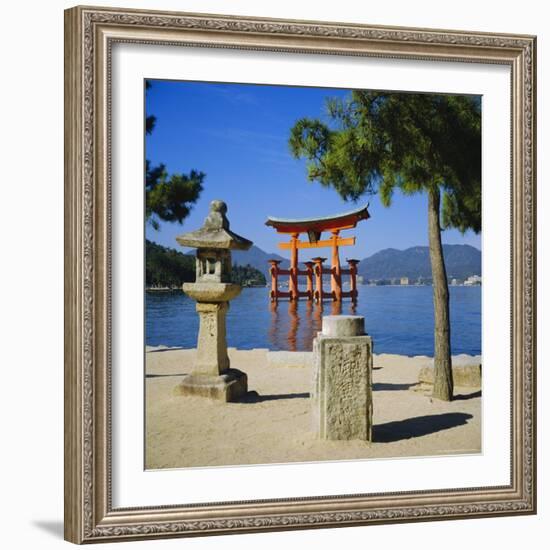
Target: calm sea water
[[400, 320]]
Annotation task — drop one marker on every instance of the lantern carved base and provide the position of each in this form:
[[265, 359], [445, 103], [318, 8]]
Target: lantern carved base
[[228, 386]]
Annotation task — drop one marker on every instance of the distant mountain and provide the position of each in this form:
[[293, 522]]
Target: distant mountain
[[461, 261], [257, 258]]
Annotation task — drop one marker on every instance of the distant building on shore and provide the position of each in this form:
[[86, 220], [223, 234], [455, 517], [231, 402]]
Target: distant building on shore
[[473, 280], [404, 281]]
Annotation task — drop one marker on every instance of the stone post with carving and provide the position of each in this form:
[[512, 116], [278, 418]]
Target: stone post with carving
[[342, 379], [212, 290]]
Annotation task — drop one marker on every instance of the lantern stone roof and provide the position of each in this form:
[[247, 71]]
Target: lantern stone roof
[[345, 220], [215, 232]]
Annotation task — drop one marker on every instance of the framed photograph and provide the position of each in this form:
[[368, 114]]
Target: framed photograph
[[223, 372]]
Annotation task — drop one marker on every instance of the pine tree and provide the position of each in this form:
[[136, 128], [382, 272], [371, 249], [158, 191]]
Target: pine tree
[[168, 197], [376, 142]]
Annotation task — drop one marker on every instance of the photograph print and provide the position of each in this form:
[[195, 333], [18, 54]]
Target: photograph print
[[313, 274]]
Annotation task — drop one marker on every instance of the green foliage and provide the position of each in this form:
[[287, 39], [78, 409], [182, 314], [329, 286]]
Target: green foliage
[[377, 141], [150, 122], [168, 197], [246, 275], [151, 119], [166, 267], [169, 268]]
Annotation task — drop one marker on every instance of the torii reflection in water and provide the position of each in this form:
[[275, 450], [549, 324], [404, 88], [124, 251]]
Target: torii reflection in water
[[295, 329]]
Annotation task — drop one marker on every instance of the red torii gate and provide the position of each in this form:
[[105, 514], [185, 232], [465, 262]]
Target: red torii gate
[[314, 227]]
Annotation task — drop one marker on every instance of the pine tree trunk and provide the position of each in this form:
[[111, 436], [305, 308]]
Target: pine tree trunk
[[443, 374]]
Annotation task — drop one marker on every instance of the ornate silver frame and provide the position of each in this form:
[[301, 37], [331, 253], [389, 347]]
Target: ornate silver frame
[[89, 35]]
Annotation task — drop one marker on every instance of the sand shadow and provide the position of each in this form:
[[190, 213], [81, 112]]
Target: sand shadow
[[418, 426], [255, 397], [382, 386], [465, 396], [161, 350]]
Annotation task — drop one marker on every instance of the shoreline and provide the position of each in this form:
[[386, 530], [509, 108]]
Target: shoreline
[[458, 359]]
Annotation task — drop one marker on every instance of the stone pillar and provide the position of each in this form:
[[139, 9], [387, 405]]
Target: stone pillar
[[212, 345], [212, 375], [342, 379]]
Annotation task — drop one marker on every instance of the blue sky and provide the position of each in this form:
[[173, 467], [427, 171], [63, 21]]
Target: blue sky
[[238, 135]]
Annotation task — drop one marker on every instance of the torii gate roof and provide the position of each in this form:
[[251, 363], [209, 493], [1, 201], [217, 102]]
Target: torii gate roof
[[345, 220]]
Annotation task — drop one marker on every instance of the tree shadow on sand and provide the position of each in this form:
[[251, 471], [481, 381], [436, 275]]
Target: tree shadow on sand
[[161, 350], [465, 396], [254, 397], [418, 426], [383, 386]]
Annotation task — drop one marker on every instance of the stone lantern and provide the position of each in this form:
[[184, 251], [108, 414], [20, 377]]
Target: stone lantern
[[212, 290]]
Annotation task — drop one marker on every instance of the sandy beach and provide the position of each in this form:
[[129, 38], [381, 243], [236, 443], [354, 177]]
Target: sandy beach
[[273, 423]]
